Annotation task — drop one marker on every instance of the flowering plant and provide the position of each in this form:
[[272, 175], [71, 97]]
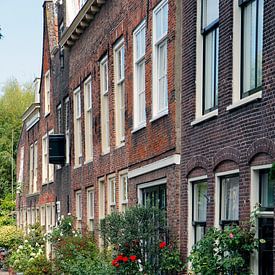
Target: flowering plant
[[127, 265], [225, 251]]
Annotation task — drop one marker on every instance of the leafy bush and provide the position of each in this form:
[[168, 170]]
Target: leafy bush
[[137, 234], [226, 251], [10, 236], [75, 253]]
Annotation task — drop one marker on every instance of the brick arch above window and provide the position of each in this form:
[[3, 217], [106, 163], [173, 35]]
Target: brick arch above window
[[196, 162], [260, 147], [227, 154]]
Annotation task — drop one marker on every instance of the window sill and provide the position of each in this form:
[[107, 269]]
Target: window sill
[[88, 161], [120, 145], [245, 101], [32, 194], [77, 166], [139, 127], [265, 214], [205, 117], [47, 114], [47, 182], [105, 152], [159, 115]]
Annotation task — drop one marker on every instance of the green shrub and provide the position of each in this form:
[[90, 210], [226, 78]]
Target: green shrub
[[137, 239], [10, 236]]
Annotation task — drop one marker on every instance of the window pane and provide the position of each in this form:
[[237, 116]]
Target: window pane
[[200, 201], [199, 233], [230, 198], [161, 22], [210, 11], [162, 76], [266, 199], [141, 91], [260, 42], [140, 43], [209, 71]]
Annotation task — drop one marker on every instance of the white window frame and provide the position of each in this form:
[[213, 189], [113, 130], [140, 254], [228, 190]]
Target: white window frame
[[67, 128], [112, 193], [105, 118], [47, 93], [77, 128], [90, 211], [21, 168], [159, 111], [31, 154], [138, 62], [123, 203], [59, 119], [88, 106], [78, 205], [119, 77], [254, 200], [101, 198], [47, 168], [35, 166], [218, 177], [237, 101]]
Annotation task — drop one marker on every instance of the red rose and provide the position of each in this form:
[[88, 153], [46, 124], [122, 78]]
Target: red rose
[[125, 259], [114, 262], [119, 258], [133, 258], [162, 245], [117, 265]]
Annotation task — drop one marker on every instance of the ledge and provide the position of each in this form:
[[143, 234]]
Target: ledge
[[159, 115], [205, 117], [81, 22], [245, 101], [141, 126]]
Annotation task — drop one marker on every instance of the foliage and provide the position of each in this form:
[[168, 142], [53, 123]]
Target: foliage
[[26, 256], [13, 103], [137, 232], [35, 235], [224, 251], [75, 253], [10, 236], [7, 207]]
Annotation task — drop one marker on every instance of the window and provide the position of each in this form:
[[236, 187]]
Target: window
[[123, 179], [67, 129], [21, 167], [139, 76], [48, 218], [155, 196], [262, 193], [42, 216], [82, 2], [77, 127], [91, 208], [78, 209], [210, 33], [31, 170], [112, 194], [72, 8], [229, 203], [88, 119], [59, 119], [119, 92], [47, 168], [105, 123], [160, 30], [252, 46], [199, 209], [101, 198], [35, 167], [47, 95]]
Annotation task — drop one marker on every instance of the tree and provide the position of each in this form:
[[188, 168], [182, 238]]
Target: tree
[[13, 103]]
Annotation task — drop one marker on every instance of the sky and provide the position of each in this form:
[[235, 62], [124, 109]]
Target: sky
[[21, 47]]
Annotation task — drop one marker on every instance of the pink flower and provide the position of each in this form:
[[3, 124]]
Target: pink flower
[[231, 236]]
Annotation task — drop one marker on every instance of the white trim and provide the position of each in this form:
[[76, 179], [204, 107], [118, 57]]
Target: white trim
[[197, 178], [244, 101], [146, 185], [174, 159], [217, 194], [159, 115], [141, 126], [205, 117]]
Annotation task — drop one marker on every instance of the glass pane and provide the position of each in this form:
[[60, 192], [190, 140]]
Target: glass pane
[[161, 22], [162, 76], [266, 199], [230, 197], [249, 46], [210, 69], [141, 91], [210, 11], [140, 43], [260, 42], [200, 201], [199, 233]]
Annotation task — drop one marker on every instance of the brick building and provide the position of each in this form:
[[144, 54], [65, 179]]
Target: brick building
[[108, 81], [228, 120]]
